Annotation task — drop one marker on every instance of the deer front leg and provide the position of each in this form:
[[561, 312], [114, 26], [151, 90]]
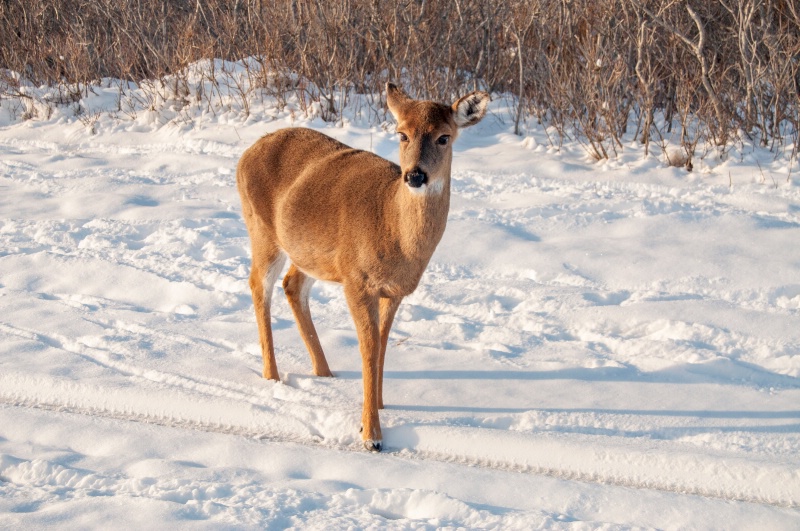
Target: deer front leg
[[388, 308], [364, 308]]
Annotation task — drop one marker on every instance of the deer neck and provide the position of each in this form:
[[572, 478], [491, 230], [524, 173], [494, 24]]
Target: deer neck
[[420, 217]]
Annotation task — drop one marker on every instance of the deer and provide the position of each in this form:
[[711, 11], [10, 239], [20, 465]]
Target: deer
[[351, 217]]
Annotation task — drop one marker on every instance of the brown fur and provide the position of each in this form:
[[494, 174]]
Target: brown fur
[[347, 216]]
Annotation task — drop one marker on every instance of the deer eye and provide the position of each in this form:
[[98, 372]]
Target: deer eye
[[443, 140], [403, 137]]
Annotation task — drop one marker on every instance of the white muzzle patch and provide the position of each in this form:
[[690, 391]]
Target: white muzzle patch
[[434, 188]]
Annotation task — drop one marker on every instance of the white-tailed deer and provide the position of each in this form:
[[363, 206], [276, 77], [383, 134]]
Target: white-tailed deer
[[349, 216]]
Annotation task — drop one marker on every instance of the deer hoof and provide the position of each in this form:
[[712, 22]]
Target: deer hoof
[[373, 446]]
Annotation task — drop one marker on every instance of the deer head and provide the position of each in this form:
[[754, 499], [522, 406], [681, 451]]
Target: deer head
[[427, 131]]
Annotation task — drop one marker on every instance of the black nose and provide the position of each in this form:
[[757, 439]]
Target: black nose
[[416, 178]]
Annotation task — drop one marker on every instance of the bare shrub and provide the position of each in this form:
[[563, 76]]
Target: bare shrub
[[709, 71]]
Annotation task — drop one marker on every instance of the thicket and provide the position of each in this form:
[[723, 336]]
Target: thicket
[[699, 69]]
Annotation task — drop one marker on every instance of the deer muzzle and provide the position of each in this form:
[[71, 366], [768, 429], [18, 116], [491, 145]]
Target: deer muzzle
[[415, 178]]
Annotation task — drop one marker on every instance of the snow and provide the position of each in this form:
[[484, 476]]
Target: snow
[[594, 344]]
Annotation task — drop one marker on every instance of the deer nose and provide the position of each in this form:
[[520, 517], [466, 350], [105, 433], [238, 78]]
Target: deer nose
[[416, 178]]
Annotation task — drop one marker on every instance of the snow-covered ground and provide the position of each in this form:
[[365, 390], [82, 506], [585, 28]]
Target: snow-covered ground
[[610, 345]]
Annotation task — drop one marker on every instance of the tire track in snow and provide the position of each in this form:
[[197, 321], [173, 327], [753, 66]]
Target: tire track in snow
[[634, 480], [217, 406], [200, 398]]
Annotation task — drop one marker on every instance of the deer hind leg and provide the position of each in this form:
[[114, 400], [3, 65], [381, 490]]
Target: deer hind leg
[[297, 286], [365, 309], [388, 308], [266, 268]]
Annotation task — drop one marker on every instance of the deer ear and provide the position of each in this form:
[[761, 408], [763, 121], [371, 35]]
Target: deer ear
[[396, 99], [470, 109]]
